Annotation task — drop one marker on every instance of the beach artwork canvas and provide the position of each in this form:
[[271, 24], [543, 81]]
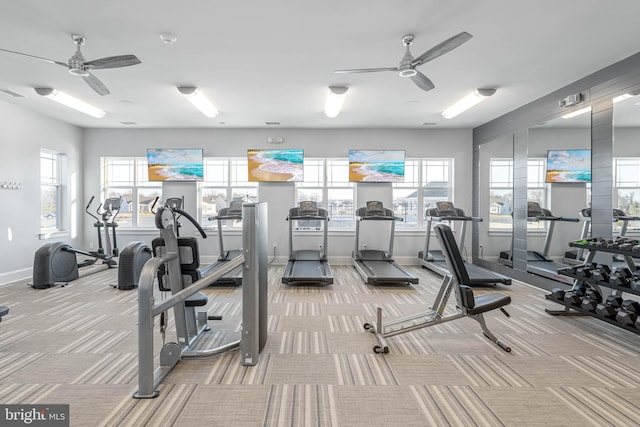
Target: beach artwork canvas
[[175, 164], [275, 165], [568, 166], [376, 165]]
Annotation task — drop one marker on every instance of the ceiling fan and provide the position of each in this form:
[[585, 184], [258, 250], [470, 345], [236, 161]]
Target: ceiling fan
[[408, 64], [78, 66]]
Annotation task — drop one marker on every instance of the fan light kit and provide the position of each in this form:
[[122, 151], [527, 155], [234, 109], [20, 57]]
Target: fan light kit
[[467, 102], [199, 100], [70, 101], [408, 64], [334, 101], [78, 66]]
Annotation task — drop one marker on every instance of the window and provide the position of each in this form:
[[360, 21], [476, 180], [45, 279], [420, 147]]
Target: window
[[501, 192], [426, 181], [626, 191], [49, 191], [126, 177], [326, 181], [225, 180]]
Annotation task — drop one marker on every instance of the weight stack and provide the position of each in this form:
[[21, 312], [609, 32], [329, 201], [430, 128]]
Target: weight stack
[[132, 258]]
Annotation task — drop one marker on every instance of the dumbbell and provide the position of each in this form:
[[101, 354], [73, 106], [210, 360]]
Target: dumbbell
[[591, 300], [628, 313], [621, 276], [610, 306], [586, 270], [557, 294], [574, 296]]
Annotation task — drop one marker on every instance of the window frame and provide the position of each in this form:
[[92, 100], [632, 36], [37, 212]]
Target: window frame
[[52, 181]]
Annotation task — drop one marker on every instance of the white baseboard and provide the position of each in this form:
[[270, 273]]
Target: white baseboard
[[17, 275]]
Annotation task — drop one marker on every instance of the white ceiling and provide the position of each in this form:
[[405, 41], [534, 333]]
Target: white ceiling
[[272, 60]]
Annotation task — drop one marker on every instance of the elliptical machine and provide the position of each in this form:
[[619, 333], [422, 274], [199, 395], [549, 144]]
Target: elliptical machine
[[56, 263]]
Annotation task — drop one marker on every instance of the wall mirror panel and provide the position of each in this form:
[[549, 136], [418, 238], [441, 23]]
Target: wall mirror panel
[[626, 163], [495, 198], [558, 192]]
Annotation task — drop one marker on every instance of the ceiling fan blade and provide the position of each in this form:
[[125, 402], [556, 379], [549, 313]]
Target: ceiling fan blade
[[112, 62], [422, 81], [64, 64], [442, 48], [365, 70], [96, 84]]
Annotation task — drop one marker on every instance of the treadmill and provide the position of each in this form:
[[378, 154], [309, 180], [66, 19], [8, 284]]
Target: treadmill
[[308, 266], [234, 277], [377, 266], [539, 263], [434, 259], [578, 256]]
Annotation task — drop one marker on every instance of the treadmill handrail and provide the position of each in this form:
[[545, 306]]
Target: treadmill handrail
[[379, 218], [454, 218], [552, 218], [305, 217]]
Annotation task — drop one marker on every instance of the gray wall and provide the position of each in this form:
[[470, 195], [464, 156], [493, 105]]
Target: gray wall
[[22, 135]]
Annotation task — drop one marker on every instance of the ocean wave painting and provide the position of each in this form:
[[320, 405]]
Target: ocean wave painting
[[175, 164], [376, 165], [275, 165], [568, 166]]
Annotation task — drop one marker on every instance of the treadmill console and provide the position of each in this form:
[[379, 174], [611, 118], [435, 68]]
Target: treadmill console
[[235, 208], [534, 210], [308, 208], [375, 208], [446, 209]]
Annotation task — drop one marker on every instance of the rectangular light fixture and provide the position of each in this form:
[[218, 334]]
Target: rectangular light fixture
[[199, 100], [334, 101], [577, 112], [70, 101], [467, 102]]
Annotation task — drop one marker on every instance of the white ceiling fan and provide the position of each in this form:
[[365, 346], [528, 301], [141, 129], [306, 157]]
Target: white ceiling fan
[[78, 66], [408, 64]]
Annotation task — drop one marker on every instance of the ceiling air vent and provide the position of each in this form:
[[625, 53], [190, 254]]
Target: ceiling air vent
[[272, 123]]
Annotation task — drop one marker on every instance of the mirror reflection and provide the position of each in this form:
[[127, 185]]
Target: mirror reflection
[[558, 193], [626, 165], [495, 198]]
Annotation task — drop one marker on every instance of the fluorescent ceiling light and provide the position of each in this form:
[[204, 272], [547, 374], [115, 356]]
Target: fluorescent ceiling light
[[198, 99], [70, 101], [467, 102], [622, 97], [335, 99], [577, 112]]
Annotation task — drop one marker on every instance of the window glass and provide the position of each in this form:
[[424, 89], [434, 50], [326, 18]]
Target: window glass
[[49, 191]]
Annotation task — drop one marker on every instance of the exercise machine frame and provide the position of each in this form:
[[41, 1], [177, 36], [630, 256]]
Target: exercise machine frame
[[377, 266], [190, 325], [308, 266], [467, 305]]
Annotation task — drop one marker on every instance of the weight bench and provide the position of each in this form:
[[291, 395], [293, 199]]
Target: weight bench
[[467, 304], [3, 312]]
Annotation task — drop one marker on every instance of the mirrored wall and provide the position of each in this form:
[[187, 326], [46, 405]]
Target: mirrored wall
[[495, 199]]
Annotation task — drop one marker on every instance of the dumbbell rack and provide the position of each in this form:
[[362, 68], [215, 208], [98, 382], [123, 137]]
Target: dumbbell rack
[[594, 245]]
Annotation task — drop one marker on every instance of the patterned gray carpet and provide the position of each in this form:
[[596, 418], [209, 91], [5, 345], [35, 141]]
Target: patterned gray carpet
[[77, 345]]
